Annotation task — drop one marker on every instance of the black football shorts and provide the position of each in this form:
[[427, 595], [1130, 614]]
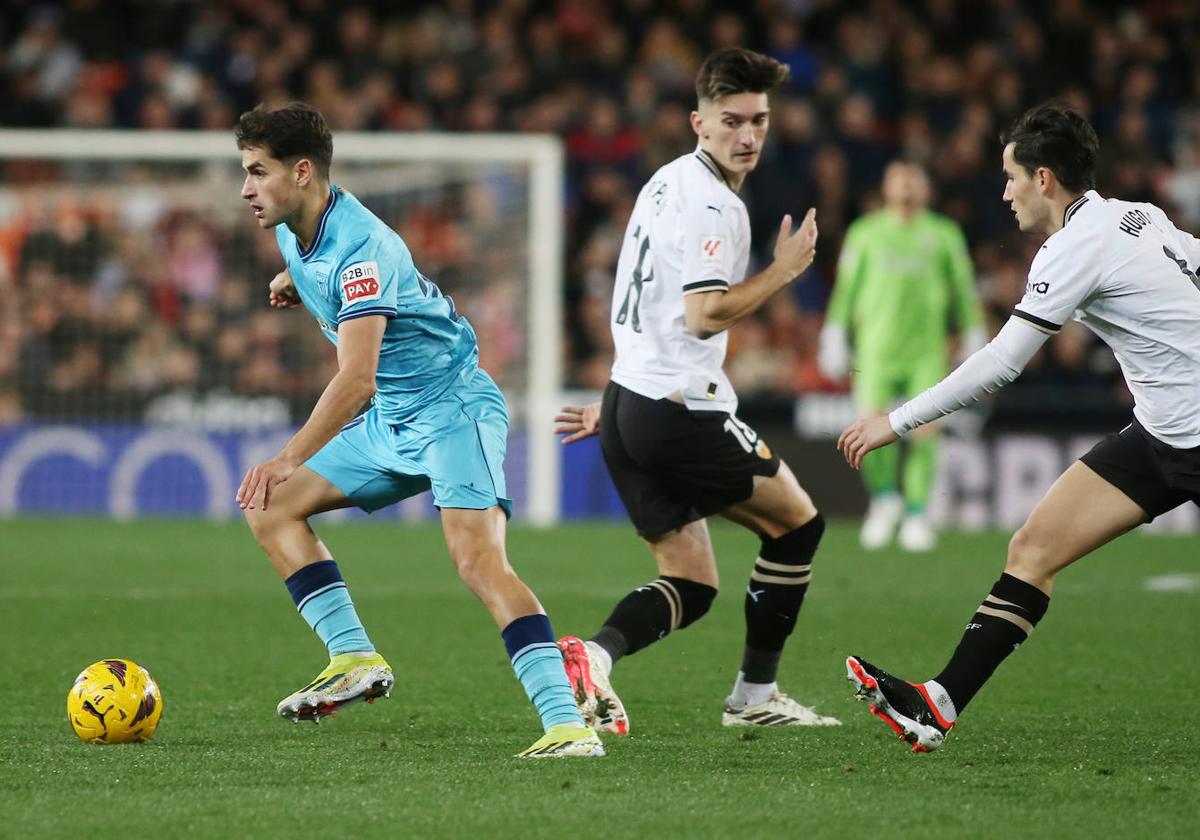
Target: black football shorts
[[1157, 477], [672, 465]]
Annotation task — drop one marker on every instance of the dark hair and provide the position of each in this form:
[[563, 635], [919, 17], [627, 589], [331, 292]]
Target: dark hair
[[1058, 137], [737, 70], [295, 131]]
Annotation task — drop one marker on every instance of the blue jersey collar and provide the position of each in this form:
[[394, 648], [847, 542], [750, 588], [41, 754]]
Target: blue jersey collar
[[333, 197]]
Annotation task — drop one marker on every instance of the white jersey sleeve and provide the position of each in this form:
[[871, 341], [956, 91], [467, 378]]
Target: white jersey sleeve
[[711, 240], [985, 371], [1064, 275]]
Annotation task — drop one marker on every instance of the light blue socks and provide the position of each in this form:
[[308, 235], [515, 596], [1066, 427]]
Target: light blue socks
[[538, 664], [324, 602]]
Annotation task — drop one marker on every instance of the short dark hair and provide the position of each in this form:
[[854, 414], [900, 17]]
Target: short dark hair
[[737, 70], [296, 130], [1058, 137]]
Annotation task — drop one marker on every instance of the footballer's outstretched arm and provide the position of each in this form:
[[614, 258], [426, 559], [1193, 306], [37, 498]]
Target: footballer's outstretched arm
[[998, 363], [359, 341], [708, 313]]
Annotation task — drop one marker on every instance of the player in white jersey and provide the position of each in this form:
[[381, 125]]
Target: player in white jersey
[[1126, 272], [671, 440]]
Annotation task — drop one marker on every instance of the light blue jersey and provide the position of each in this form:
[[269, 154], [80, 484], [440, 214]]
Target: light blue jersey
[[359, 266], [438, 421]]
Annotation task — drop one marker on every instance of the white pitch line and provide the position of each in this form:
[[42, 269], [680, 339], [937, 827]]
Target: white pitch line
[[1180, 582]]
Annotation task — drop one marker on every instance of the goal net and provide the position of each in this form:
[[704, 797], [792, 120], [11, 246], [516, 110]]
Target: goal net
[[141, 370]]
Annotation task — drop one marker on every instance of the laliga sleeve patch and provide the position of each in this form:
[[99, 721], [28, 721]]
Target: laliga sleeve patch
[[360, 282], [712, 252]]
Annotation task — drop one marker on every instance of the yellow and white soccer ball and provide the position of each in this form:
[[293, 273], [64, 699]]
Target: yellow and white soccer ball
[[114, 701]]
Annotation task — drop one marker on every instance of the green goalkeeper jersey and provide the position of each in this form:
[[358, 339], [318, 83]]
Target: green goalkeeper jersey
[[901, 285]]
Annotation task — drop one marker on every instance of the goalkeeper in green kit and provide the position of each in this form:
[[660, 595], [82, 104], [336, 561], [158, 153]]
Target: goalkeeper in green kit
[[903, 279]]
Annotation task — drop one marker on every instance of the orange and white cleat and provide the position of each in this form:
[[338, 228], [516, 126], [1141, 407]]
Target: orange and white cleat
[[598, 703], [908, 708]]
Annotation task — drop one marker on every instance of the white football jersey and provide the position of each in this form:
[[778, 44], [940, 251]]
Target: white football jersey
[[1127, 273], [688, 233]]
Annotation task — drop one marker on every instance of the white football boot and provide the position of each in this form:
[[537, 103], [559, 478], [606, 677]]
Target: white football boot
[[916, 534], [776, 710], [881, 520]]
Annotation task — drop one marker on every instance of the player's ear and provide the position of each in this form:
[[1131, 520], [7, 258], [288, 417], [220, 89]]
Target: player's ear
[[302, 172], [1046, 179], [697, 123]]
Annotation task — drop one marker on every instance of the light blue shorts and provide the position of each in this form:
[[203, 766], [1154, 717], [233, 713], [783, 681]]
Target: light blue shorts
[[454, 446]]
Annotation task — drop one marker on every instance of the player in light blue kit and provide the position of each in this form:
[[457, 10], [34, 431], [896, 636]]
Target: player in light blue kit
[[436, 421]]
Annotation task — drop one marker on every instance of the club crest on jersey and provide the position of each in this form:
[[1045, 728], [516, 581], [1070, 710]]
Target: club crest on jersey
[[360, 282], [712, 253]]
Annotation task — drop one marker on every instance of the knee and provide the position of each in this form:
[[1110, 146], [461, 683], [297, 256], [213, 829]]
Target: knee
[[797, 546], [264, 524], [478, 564], [808, 512], [1029, 555], [798, 514], [691, 599], [801, 512]]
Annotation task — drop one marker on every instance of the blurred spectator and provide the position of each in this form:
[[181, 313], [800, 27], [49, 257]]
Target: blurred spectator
[[158, 296]]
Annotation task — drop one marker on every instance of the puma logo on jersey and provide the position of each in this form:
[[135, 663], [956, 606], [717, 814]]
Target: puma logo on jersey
[[360, 282]]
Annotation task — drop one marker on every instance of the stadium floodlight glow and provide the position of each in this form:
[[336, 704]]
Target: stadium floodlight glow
[[378, 167]]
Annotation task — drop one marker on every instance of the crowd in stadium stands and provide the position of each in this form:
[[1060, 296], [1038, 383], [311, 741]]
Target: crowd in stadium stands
[[90, 308]]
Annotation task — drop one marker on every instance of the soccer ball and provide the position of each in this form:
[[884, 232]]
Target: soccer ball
[[114, 701]]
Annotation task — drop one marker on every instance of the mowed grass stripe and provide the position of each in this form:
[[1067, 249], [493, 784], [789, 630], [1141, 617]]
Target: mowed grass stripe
[[1082, 732]]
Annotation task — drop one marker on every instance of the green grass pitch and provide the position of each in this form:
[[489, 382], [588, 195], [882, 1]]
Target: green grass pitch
[[1087, 731]]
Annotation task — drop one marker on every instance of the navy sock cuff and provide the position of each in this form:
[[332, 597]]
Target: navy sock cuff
[[311, 580], [526, 631]]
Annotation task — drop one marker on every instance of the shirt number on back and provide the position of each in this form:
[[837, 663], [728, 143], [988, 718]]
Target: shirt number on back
[[642, 274], [1187, 272]]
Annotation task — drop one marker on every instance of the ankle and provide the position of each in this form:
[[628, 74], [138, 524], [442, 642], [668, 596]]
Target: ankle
[[600, 657], [939, 702], [747, 694]]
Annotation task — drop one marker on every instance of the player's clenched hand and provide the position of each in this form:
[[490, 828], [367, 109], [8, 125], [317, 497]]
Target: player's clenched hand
[[863, 436], [795, 251], [283, 293], [260, 480], [577, 423]]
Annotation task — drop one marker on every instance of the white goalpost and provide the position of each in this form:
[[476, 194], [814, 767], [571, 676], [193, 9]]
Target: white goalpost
[[485, 211]]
